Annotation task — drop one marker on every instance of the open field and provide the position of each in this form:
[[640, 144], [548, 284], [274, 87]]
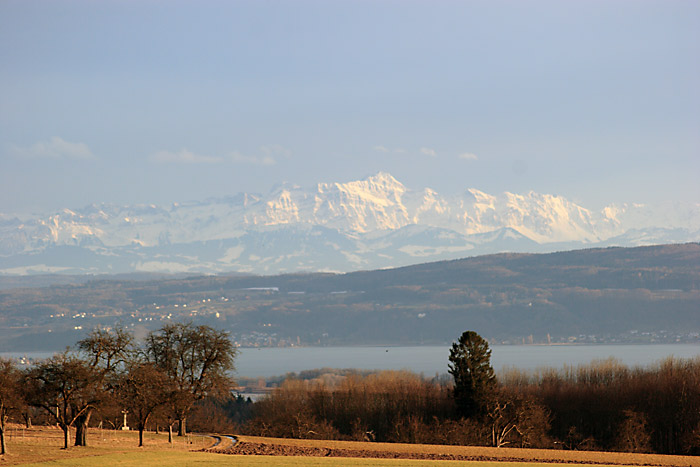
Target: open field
[[40, 443], [259, 445], [42, 446]]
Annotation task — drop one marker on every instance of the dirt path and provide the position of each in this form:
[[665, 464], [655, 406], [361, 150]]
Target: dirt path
[[222, 443]]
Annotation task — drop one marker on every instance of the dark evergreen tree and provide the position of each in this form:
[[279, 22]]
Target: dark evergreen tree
[[470, 366]]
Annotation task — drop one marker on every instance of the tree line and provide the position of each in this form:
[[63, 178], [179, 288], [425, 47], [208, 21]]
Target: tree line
[[601, 406], [109, 373], [181, 373]]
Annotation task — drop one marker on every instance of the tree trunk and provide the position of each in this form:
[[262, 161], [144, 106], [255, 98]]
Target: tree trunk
[[170, 433], [3, 448], [81, 427], [27, 420], [80, 438], [142, 426], [65, 429], [182, 429]]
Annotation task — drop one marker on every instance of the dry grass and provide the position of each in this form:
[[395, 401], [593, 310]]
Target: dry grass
[[162, 459], [40, 443], [107, 447]]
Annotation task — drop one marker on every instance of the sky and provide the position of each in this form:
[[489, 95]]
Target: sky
[[170, 101]]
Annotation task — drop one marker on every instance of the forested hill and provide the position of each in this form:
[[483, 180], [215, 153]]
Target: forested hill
[[654, 268], [644, 294]]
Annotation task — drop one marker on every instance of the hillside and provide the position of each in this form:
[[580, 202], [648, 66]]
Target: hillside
[[643, 294]]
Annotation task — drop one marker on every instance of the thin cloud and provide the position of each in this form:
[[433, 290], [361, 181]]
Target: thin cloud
[[468, 156], [183, 156], [428, 152], [385, 150], [265, 160], [56, 148], [275, 150], [266, 157]]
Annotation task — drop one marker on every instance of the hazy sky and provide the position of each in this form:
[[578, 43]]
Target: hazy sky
[[162, 101]]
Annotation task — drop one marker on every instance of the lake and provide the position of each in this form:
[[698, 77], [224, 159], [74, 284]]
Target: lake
[[267, 362]]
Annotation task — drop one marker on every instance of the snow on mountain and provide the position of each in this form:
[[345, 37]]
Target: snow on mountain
[[547, 218], [363, 224], [361, 206]]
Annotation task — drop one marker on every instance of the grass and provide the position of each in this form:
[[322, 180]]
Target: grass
[[212, 459], [42, 446]]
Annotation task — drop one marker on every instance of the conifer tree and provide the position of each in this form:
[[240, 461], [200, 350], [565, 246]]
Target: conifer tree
[[470, 366]]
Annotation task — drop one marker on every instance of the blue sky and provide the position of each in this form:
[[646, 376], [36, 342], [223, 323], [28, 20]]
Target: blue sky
[[163, 101]]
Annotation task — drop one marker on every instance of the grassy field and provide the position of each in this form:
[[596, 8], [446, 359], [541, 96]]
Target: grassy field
[[42, 446], [39, 444], [211, 459]]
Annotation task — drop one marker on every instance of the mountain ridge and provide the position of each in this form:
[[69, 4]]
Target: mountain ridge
[[601, 295], [361, 224]]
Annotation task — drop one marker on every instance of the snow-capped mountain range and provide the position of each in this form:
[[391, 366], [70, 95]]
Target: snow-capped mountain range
[[372, 223]]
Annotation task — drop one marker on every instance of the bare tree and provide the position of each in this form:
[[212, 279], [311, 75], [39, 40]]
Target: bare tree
[[104, 352], [502, 416], [106, 349], [533, 424], [633, 433], [142, 389], [64, 387], [196, 359], [10, 395]]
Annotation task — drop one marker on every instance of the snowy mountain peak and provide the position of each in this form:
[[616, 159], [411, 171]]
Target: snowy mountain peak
[[385, 179], [380, 184], [479, 196], [355, 219]]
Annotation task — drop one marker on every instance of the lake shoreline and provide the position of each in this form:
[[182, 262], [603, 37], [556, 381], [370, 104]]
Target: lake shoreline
[[269, 362]]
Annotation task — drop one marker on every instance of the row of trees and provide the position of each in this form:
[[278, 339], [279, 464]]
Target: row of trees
[[604, 405], [182, 371], [174, 368], [404, 407], [609, 406]]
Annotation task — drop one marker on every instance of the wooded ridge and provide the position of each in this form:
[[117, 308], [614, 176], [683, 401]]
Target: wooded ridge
[[643, 294]]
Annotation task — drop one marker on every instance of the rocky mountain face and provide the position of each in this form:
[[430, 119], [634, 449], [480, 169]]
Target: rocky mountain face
[[367, 224]]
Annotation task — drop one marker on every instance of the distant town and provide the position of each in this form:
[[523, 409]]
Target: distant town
[[645, 295]]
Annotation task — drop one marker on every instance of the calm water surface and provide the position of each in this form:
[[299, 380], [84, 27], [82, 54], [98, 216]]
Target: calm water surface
[[429, 360], [433, 359]]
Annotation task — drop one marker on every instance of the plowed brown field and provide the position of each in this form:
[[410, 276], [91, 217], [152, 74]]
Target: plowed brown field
[[250, 445]]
